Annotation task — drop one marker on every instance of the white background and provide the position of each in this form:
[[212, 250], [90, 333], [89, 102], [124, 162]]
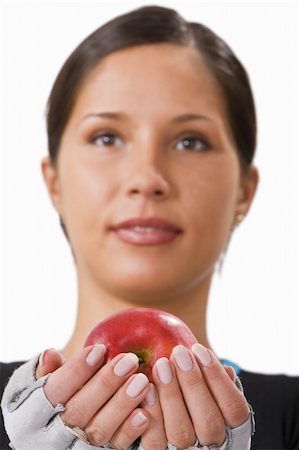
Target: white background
[[253, 312]]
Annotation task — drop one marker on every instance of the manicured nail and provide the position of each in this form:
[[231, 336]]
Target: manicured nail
[[182, 358], [139, 419], [164, 370], [95, 356], [151, 396], [42, 356], [126, 364], [139, 382], [202, 354]]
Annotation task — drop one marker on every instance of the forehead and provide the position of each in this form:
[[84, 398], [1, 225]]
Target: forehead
[[151, 80]]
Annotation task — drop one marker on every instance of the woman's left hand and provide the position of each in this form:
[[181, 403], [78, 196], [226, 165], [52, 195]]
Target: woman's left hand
[[197, 399]]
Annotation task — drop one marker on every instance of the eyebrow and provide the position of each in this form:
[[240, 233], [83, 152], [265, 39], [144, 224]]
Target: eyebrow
[[120, 115]]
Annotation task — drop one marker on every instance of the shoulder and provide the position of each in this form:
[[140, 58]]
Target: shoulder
[[277, 389], [275, 400], [264, 383]]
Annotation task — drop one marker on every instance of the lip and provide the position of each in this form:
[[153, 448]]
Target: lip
[[146, 231]]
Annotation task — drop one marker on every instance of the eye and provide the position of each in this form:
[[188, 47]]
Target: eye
[[193, 143], [105, 140]]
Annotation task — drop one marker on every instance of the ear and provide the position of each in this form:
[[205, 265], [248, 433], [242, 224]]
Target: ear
[[247, 190], [53, 185]]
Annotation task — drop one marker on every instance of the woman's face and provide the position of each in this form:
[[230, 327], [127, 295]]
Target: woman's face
[[149, 142]]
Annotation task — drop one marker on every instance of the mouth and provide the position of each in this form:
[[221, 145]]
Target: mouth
[[146, 231]]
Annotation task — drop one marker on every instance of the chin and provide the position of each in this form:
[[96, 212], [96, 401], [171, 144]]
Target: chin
[[146, 290], [138, 287], [142, 289], [143, 281]]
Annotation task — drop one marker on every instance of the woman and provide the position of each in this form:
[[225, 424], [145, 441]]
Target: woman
[[151, 128]]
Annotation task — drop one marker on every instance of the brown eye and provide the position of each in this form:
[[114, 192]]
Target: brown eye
[[105, 140], [192, 143]]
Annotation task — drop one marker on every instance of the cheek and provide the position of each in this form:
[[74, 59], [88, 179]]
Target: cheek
[[212, 199], [86, 193]]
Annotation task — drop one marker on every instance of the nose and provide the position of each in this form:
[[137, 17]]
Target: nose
[[147, 179]]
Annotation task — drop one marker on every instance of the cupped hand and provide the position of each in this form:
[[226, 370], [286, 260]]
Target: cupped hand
[[101, 399], [153, 435], [195, 398]]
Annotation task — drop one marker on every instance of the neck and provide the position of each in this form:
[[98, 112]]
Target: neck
[[95, 305]]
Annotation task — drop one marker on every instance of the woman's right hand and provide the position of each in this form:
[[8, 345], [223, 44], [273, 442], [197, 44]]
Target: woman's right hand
[[101, 400]]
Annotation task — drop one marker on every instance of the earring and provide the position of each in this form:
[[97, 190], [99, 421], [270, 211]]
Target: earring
[[239, 218]]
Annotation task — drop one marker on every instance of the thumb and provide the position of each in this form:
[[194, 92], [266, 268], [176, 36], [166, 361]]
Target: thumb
[[49, 361]]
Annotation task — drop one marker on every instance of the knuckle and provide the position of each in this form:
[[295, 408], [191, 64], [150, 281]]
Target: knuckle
[[194, 380], [73, 414], [128, 436], [97, 435], [212, 423], [216, 372], [118, 444], [182, 438], [166, 394], [155, 444], [79, 369], [237, 410], [121, 402], [54, 391], [106, 382]]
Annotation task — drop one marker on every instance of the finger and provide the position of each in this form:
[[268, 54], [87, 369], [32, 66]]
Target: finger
[[178, 426], [50, 360], [69, 378], [84, 404], [231, 373], [205, 414], [110, 417], [154, 436], [133, 427], [230, 400]]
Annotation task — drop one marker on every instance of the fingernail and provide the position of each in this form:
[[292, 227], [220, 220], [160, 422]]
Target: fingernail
[[126, 364], [139, 382], [182, 358], [41, 359], [42, 356], [202, 354], [151, 396], [95, 356], [164, 370], [139, 419]]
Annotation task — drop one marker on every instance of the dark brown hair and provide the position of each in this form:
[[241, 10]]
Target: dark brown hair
[[148, 25]]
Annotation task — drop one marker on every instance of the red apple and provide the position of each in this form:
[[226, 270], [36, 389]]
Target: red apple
[[149, 333]]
